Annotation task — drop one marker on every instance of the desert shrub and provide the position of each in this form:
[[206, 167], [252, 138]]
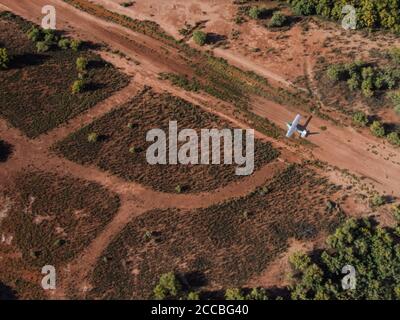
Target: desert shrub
[[50, 37], [42, 46], [78, 86], [394, 138], [4, 59], [367, 88], [193, 296], [394, 54], [395, 97], [178, 189], [81, 64], [370, 249], [239, 294], [396, 212], [234, 294], [199, 37], [34, 34], [277, 20], [93, 137], [377, 200], [64, 43], [335, 72], [354, 82], [378, 129], [75, 44], [303, 7], [168, 287], [360, 119], [256, 12]]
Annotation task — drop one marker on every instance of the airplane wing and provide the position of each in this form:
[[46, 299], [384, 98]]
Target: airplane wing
[[293, 127]]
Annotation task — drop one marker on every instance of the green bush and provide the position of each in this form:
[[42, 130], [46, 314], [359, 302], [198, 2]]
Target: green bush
[[75, 45], [4, 59], [256, 12], [395, 97], [64, 43], [303, 7], [35, 34], [42, 46], [377, 200], [394, 138], [378, 129], [278, 20], [199, 37], [367, 88], [354, 82], [78, 86], [335, 72], [81, 64], [93, 137], [167, 287], [360, 119]]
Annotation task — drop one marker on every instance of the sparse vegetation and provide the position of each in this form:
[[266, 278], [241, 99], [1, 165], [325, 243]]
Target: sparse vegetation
[[242, 248], [52, 72], [378, 129], [4, 58], [360, 119], [278, 20], [199, 37], [78, 86], [394, 138]]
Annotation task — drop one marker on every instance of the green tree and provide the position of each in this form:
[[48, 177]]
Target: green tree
[[4, 59], [378, 129], [199, 37]]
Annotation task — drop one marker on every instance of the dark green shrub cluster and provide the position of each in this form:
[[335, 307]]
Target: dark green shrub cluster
[[278, 20], [366, 77], [370, 13], [200, 37], [373, 251]]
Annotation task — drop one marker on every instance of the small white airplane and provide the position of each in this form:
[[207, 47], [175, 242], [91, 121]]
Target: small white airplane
[[294, 127]]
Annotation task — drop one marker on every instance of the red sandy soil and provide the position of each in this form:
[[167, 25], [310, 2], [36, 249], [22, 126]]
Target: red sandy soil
[[340, 146]]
